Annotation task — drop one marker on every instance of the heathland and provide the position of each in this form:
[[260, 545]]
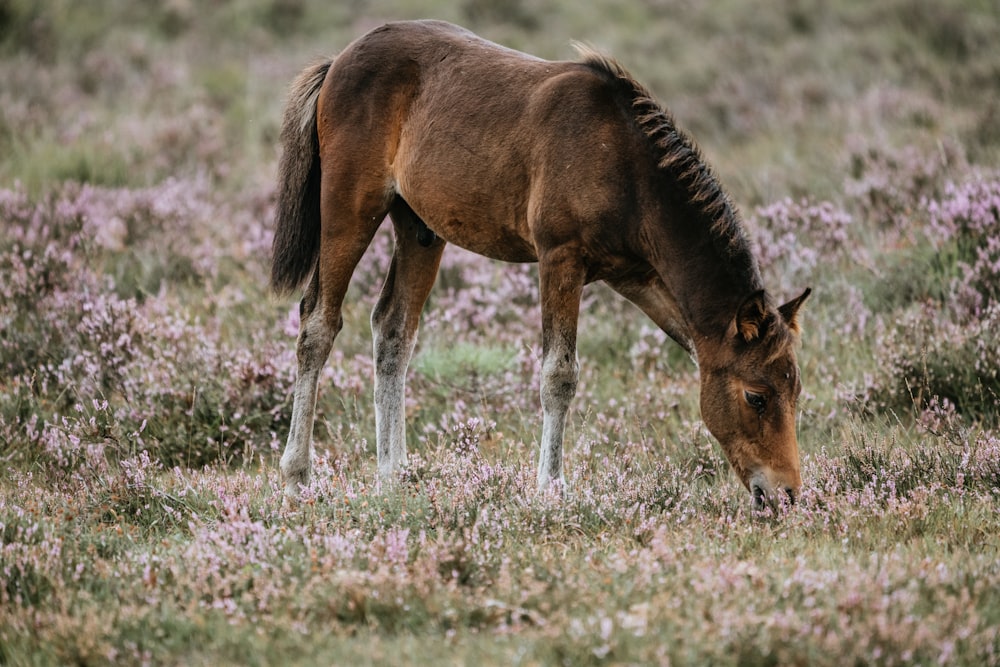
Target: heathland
[[145, 370]]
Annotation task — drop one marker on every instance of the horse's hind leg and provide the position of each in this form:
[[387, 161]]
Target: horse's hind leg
[[414, 267], [346, 234], [313, 347]]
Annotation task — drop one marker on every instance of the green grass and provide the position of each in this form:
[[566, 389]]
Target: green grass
[[461, 363]]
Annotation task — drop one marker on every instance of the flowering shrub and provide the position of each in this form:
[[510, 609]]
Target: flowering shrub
[[949, 350], [795, 239], [928, 356], [968, 217], [169, 376]]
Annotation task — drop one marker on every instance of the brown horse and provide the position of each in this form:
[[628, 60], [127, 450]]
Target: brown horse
[[570, 164]]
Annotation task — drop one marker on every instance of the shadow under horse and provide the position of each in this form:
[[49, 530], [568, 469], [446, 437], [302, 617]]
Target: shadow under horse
[[573, 165]]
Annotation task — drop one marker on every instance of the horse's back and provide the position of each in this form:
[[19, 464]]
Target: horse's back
[[427, 42], [473, 135], [408, 56]]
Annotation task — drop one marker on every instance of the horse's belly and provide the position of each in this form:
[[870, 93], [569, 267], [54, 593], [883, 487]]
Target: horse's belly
[[483, 237], [488, 223]]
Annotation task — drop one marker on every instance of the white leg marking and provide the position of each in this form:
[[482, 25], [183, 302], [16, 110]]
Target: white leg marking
[[314, 344], [560, 371], [392, 356]]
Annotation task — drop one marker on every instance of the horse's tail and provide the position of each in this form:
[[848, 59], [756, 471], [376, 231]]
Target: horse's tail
[[297, 219]]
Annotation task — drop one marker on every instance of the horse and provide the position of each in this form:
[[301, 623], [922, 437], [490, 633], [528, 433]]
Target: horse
[[570, 164]]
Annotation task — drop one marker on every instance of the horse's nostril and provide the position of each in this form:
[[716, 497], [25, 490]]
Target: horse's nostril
[[758, 498], [790, 492]]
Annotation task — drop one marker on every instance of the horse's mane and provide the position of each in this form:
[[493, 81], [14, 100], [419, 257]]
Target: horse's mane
[[680, 156]]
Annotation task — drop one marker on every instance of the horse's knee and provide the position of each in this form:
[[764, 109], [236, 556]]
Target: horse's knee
[[381, 323], [559, 380], [386, 322], [382, 312], [316, 336], [390, 337]]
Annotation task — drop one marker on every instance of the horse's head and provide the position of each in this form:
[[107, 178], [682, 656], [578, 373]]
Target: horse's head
[[749, 390]]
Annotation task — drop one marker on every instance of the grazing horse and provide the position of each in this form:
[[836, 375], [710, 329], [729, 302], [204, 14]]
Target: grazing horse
[[572, 165]]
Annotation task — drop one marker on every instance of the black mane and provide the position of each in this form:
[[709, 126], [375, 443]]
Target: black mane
[[680, 156]]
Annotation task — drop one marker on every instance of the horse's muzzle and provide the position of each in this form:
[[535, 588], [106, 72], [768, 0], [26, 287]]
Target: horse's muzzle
[[763, 496]]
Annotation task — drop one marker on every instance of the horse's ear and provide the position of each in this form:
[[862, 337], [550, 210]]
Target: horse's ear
[[750, 317], [790, 311]]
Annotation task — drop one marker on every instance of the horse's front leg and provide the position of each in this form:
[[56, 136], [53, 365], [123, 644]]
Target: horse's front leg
[[394, 321], [561, 275]]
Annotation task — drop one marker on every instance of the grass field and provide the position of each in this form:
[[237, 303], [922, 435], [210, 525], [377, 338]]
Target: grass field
[[145, 371]]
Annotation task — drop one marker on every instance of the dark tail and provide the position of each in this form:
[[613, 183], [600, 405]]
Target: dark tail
[[297, 219]]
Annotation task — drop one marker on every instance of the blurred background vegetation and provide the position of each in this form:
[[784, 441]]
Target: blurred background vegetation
[[785, 98]]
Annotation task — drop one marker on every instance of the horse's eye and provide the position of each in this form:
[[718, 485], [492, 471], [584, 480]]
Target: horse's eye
[[756, 401]]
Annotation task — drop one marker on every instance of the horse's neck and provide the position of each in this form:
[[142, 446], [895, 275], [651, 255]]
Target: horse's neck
[[707, 285]]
